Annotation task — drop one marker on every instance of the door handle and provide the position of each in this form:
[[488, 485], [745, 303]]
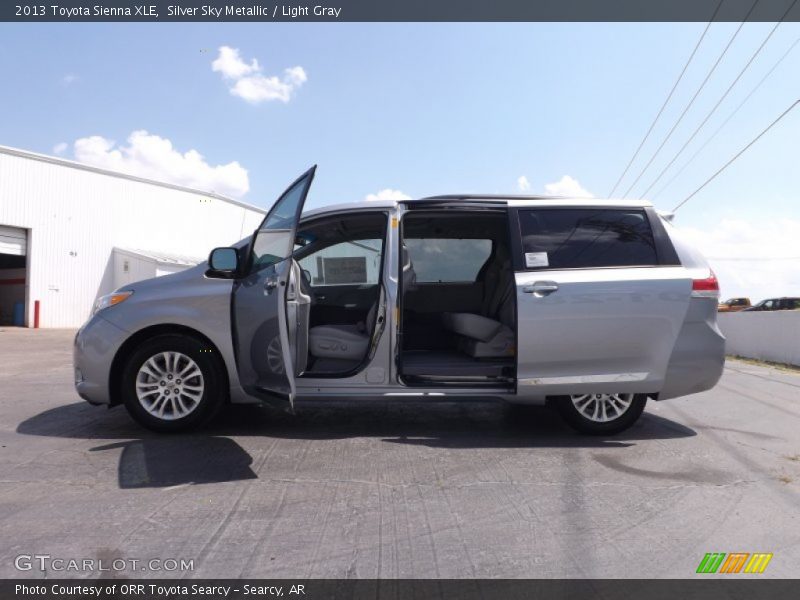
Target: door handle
[[270, 284], [541, 288]]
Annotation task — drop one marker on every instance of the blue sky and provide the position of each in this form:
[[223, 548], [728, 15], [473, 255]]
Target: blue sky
[[426, 109]]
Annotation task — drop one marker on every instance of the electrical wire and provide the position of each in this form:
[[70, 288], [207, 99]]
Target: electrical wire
[[669, 97], [737, 155], [726, 121], [722, 98], [691, 102]]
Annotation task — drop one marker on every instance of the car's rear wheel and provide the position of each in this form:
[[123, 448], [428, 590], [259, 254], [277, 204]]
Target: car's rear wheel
[[173, 383], [601, 414]]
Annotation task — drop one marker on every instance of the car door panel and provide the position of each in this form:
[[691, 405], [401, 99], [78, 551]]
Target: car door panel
[[600, 330], [261, 335]]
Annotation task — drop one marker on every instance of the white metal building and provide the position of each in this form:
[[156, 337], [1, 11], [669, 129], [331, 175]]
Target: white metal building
[[70, 233]]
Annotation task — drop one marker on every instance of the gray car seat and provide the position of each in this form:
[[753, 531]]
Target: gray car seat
[[489, 334], [347, 340], [351, 341]]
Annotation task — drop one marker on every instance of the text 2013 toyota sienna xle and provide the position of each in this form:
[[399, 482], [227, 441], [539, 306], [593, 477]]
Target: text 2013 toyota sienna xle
[[593, 306]]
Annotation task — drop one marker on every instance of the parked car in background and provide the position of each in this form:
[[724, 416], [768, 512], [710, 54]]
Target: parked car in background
[[777, 304], [592, 306], [734, 305]]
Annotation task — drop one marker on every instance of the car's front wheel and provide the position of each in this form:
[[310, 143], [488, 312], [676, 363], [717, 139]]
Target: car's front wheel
[[601, 414], [173, 383]]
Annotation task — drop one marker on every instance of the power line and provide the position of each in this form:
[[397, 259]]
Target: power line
[[669, 96], [722, 98], [726, 121], [696, 94], [737, 155]]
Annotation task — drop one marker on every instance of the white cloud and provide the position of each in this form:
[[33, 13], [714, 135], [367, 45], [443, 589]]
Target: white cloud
[[249, 82], [230, 64], [388, 194], [523, 184], [567, 186], [60, 148], [757, 259], [69, 79], [153, 157]]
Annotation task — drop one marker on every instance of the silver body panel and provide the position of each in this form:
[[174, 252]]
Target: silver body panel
[[604, 330]]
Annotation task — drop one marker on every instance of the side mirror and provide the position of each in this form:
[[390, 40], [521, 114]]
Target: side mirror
[[223, 262]]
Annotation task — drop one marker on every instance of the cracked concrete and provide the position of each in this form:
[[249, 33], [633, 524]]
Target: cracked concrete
[[403, 489]]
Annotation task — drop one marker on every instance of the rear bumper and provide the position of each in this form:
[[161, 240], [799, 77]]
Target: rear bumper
[[698, 356], [94, 349]]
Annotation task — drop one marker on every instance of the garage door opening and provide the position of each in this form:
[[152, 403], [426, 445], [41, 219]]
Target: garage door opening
[[13, 275]]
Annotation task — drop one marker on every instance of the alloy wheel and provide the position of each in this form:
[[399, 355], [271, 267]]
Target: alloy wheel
[[602, 408], [169, 385]]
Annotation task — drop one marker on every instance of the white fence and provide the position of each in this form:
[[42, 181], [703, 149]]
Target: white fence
[[771, 336]]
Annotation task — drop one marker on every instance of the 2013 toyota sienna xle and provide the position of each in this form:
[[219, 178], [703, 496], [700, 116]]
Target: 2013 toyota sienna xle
[[592, 306]]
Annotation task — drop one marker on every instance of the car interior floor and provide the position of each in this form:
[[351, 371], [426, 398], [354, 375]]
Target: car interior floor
[[458, 299]]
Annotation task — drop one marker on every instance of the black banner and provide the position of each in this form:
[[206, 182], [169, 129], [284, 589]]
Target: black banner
[[733, 588], [397, 10]]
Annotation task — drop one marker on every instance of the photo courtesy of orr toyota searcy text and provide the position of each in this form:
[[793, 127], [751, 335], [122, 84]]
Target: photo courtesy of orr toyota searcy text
[[135, 590]]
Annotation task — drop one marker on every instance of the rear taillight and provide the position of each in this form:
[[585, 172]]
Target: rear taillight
[[705, 288]]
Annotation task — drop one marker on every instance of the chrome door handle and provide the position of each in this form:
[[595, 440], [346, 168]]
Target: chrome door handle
[[541, 288], [270, 284]]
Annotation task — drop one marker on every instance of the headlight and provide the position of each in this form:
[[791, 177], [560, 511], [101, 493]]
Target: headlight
[[110, 300]]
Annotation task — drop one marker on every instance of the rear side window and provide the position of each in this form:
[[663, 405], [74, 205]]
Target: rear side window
[[447, 260], [576, 238], [792, 303]]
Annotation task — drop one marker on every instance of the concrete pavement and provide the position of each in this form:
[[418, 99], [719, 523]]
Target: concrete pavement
[[410, 489]]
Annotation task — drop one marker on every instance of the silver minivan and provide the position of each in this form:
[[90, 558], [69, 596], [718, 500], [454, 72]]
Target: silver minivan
[[591, 306]]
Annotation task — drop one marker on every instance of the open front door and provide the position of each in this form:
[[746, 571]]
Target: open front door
[[261, 336]]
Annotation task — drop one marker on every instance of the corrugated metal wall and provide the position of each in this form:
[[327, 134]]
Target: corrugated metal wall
[[77, 216]]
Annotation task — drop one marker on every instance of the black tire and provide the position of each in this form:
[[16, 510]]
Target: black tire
[[583, 424], [213, 381]]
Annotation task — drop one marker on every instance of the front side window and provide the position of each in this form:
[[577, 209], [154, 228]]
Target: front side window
[[273, 240], [586, 238], [269, 248], [447, 260], [350, 262]]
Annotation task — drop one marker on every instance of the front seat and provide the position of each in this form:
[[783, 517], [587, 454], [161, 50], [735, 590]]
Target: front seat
[[489, 334], [346, 340], [350, 341]]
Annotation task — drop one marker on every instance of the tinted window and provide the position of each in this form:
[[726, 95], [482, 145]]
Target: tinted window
[[284, 212], [586, 238], [447, 260], [273, 241]]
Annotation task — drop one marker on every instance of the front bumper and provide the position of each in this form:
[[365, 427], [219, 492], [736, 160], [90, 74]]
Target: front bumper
[[96, 345]]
